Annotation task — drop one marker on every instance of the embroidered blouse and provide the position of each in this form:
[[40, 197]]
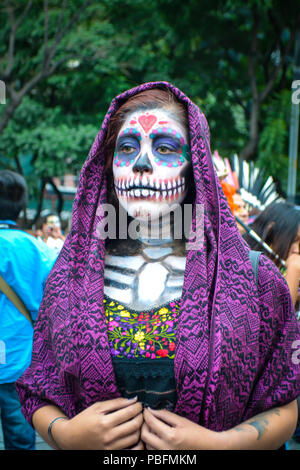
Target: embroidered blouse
[[142, 346]]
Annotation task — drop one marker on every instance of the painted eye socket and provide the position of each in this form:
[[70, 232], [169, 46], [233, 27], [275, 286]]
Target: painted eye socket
[[126, 149]]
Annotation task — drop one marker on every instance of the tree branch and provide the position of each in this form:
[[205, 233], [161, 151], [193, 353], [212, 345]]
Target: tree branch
[[46, 69], [11, 45], [282, 78], [55, 66], [240, 103], [22, 16], [253, 55], [11, 92], [258, 98], [60, 202], [18, 165], [5, 75], [59, 23], [7, 115], [60, 34], [46, 31], [40, 200], [276, 70], [283, 53]]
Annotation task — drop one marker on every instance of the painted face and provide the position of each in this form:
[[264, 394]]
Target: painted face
[[151, 163]]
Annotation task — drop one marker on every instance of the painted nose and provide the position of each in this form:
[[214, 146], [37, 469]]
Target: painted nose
[[142, 165]]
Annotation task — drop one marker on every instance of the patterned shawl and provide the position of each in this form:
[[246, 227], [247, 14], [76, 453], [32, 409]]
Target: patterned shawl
[[235, 337]]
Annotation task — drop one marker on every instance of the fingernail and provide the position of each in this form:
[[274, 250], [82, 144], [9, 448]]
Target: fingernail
[[132, 399]]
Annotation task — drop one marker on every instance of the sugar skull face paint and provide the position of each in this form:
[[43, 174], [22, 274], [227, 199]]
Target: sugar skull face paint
[[150, 163]]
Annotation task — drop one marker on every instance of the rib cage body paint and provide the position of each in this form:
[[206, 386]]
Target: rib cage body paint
[[152, 277]]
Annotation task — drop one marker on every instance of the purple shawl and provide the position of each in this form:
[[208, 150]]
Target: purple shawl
[[235, 337]]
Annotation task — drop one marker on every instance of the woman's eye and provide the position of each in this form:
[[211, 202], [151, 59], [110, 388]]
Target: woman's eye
[[164, 150], [127, 149]]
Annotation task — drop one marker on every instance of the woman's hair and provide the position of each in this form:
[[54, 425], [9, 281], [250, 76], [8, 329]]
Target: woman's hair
[[278, 226], [146, 100], [13, 194]]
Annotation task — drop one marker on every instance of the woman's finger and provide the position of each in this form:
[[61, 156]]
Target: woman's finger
[[139, 446], [127, 428], [123, 415], [150, 439], [109, 406], [126, 442], [158, 427], [149, 447], [166, 416]]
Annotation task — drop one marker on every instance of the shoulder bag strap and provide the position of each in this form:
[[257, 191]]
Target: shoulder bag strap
[[15, 299], [254, 258]]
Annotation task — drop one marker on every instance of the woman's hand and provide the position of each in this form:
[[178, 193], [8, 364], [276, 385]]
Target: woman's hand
[[56, 233], [163, 430], [111, 425]]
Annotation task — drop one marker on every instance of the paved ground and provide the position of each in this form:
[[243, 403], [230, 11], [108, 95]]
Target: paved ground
[[41, 444], [293, 445]]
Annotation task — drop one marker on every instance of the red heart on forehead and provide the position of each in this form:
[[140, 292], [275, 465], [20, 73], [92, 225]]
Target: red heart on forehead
[[147, 121]]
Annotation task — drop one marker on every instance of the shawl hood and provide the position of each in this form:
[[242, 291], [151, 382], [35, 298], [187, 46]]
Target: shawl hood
[[235, 337]]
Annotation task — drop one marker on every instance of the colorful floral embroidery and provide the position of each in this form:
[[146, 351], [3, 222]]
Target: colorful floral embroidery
[[148, 334]]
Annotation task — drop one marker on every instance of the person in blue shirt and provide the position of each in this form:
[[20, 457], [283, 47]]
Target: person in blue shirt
[[25, 264]]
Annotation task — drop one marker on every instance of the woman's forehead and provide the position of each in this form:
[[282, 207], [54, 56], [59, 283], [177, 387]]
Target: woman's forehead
[[146, 120]]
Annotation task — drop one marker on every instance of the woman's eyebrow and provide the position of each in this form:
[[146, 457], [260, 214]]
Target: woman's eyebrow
[[167, 132], [130, 132]]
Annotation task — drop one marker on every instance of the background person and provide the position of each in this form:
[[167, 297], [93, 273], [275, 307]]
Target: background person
[[279, 226], [240, 210], [50, 232], [24, 264]]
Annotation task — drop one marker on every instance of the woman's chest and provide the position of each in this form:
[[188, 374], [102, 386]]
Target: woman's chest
[[144, 281]]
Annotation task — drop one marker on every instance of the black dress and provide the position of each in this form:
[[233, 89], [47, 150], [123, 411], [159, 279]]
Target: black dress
[[143, 347]]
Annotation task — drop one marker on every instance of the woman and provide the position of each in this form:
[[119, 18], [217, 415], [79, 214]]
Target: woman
[[229, 345], [279, 226]]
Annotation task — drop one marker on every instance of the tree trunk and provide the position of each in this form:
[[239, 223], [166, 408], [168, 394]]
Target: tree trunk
[[8, 114], [251, 146], [40, 203], [60, 203]]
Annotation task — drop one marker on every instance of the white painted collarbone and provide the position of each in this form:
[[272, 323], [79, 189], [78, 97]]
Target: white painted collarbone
[[149, 278]]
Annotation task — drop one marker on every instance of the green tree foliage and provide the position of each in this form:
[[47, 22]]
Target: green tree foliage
[[63, 62], [273, 144]]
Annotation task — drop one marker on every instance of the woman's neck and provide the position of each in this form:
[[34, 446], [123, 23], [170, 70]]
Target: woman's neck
[[157, 232]]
